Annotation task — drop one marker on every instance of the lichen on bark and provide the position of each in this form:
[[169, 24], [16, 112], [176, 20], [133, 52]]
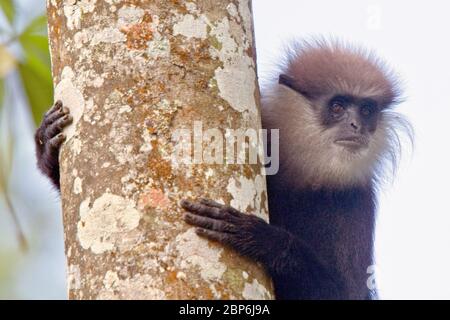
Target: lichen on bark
[[132, 72]]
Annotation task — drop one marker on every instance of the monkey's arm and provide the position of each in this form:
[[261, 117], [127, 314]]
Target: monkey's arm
[[283, 254], [48, 140]]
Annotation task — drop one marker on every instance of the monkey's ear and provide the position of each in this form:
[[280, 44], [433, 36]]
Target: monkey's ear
[[290, 82]]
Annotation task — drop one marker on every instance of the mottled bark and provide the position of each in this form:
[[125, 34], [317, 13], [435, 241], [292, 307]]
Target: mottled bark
[[132, 72]]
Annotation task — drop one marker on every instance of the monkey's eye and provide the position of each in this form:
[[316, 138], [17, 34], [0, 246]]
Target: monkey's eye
[[337, 107], [367, 109]]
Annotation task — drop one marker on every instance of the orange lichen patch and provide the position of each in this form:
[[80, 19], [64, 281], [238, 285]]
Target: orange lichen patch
[[171, 276], [248, 172], [162, 168], [179, 6], [184, 55], [152, 130], [161, 85], [142, 90], [147, 18], [154, 198], [208, 294], [193, 54], [145, 91], [203, 52], [139, 34], [202, 84]]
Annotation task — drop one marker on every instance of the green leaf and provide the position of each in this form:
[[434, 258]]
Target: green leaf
[[36, 46], [35, 71], [39, 66], [34, 39], [9, 9], [37, 26], [37, 82]]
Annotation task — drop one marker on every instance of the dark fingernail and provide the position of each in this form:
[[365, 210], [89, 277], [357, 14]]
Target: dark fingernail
[[189, 219], [185, 203], [58, 104]]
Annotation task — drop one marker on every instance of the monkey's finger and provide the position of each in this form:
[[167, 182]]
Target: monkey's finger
[[212, 235], [233, 211], [211, 203], [224, 208], [54, 116], [208, 223], [56, 127], [57, 106], [201, 209], [55, 143]]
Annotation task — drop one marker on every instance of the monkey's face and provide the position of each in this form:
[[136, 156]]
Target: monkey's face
[[352, 120], [333, 106], [337, 139], [347, 138]]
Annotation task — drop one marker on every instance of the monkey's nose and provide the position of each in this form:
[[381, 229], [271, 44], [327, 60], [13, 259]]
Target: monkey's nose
[[354, 126]]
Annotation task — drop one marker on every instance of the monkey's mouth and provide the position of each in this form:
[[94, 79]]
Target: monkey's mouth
[[353, 142]]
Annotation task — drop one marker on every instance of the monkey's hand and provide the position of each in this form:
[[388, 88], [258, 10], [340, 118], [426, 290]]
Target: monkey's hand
[[247, 234], [48, 140], [286, 257]]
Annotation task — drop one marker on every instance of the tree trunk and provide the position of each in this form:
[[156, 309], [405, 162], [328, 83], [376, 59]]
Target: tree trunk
[[133, 73]]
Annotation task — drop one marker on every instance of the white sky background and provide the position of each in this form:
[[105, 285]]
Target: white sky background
[[413, 236], [413, 233]]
